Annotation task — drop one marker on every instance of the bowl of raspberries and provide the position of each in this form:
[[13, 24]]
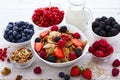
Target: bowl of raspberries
[[106, 27], [18, 33], [101, 50], [60, 45], [44, 17]]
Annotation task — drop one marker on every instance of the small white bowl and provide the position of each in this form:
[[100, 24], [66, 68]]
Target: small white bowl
[[111, 39], [16, 44], [102, 59], [72, 29], [24, 64]]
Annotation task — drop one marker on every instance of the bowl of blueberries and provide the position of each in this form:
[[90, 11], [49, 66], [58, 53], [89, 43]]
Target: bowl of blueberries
[[107, 28], [18, 33]]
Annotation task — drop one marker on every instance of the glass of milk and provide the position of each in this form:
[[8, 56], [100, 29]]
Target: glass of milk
[[77, 14]]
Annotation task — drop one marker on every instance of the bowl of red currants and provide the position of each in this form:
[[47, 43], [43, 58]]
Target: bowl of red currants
[[18, 33], [60, 45], [101, 50], [106, 27], [47, 16]]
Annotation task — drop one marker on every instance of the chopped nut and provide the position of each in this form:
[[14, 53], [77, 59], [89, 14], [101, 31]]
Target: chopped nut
[[21, 55], [18, 77], [6, 71]]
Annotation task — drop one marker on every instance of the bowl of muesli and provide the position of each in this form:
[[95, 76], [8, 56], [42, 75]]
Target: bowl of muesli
[[60, 45], [21, 57]]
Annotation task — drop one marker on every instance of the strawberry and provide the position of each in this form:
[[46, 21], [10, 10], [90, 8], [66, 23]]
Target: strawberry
[[38, 46], [58, 52], [43, 34], [87, 73], [75, 71], [78, 43]]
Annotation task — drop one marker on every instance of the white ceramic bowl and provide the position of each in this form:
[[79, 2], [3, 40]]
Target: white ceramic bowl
[[72, 29], [111, 39], [24, 64], [102, 59], [16, 44]]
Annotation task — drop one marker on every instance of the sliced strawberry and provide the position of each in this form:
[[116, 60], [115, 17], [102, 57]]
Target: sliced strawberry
[[87, 73], [75, 71], [58, 52], [38, 46], [43, 34], [78, 43]]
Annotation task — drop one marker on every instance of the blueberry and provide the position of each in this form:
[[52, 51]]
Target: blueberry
[[107, 22], [31, 26], [20, 40], [26, 23], [37, 39], [6, 36], [24, 38], [61, 74], [28, 37], [26, 30], [15, 28], [114, 31], [10, 26], [10, 23], [63, 29], [23, 34], [21, 23], [31, 31], [78, 52], [14, 41], [57, 38], [102, 33], [51, 58], [19, 36], [10, 32], [20, 29], [66, 77], [49, 79], [111, 19], [15, 33], [97, 30], [11, 37], [113, 23], [6, 31], [17, 24], [103, 18], [98, 19], [102, 24], [24, 27], [108, 28], [117, 26], [95, 24]]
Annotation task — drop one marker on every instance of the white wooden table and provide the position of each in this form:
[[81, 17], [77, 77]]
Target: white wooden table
[[15, 10]]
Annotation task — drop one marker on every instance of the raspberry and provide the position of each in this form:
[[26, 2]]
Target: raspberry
[[91, 49], [115, 72], [99, 53], [37, 70], [76, 35], [103, 43], [54, 28], [65, 37], [61, 43], [72, 56], [96, 45], [110, 49], [116, 63], [42, 54]]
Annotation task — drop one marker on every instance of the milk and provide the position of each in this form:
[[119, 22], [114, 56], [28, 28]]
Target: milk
[[78, 16]]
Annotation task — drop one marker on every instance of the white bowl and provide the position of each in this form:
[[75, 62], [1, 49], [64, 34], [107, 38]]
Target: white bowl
[[111, 39], [72, 29], [16, 44], [24, 64]]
